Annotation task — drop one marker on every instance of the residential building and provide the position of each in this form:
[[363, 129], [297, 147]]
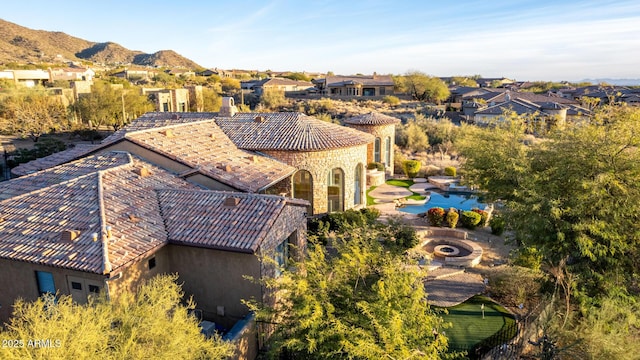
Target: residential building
[[280, 84], [110, 220], [356, 86]]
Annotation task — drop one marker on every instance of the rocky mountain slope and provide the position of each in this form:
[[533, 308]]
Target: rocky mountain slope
[[23, 45]]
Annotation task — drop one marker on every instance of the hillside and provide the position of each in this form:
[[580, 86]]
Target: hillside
[[23, 45]]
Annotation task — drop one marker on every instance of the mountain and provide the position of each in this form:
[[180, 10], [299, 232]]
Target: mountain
[[23, 45]]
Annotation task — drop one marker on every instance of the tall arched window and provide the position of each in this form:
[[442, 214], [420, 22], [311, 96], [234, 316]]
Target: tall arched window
[[387, 151], [357, 186], [303, 188], [376, 150], [335, 190]]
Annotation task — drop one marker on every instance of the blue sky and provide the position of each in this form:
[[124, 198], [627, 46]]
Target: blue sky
[[521, 39]]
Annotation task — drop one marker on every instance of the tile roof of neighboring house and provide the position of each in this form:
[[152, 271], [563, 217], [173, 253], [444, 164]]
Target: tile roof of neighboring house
[[372, 80], [54, 159], [372, 118], [282, 82], [201, 218], [114, 194], [530, 97], [289, 131], [133, 206], [519, 106]]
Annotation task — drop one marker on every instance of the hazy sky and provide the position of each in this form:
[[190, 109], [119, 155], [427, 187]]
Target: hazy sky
[[521, 39]]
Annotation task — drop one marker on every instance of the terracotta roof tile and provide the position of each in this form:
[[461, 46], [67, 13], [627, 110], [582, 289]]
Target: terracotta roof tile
[[54, 159], [201, 218], [288, 131], [372, 118], [203, 146], [34, 219]]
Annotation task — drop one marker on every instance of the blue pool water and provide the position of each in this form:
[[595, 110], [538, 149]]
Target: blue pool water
[[458, 201]]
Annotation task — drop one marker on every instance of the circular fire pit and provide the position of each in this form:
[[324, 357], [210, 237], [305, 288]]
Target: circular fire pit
[[446, 250]]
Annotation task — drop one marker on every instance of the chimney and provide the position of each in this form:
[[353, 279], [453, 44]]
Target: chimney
[[143, 171], [108, 228], [228, 108], [168, 133], [69, 235], [231, 201]]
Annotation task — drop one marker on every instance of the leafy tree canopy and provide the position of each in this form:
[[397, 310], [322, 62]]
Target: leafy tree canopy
[[357, 300], [149, 324]]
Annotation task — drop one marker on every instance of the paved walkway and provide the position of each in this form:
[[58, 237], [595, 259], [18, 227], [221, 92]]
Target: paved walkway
[[453, 290], [388, 193], [421, 188]]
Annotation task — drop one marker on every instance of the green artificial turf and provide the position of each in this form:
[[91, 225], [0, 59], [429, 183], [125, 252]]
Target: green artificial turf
[[469, 328], [397, 182], [370, 200], [416, 196]]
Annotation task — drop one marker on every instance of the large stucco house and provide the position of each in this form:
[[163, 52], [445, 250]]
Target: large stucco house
[[204, 195]]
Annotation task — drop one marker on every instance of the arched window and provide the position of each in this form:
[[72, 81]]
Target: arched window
[[335, 190], [303, 188], [357, 186], [376, 150], [387, 151]]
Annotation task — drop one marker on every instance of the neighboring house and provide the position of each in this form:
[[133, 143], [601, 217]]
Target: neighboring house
[[72, 73], [108, 221], [290, 154], [631, 99], [219, 72], [28, 78], [494, 82], [543, 111], [169, 100], [134, 74], [356, 86], [279, 84]]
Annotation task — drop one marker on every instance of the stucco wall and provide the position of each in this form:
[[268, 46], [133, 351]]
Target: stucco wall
[[216, 278], [18, 280], [135, 274], [320, 163], [382, 132]]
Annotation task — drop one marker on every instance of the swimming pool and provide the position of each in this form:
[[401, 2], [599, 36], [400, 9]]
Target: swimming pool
[[458, 201]]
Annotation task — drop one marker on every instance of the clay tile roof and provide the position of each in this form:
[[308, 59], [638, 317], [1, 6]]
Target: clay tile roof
[[207, 219], [203, 146], [54, 159], [58, 174], [31, 222], [156, 120], [289, 131], [372, 118]]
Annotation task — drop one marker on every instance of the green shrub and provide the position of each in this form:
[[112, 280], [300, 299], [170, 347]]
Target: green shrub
[[341, 221], [411, 168], [44, 147], [497, 225], [452, 218], [375, 165], [391, 100], [450, 171], [528, 257], [400, 235], [483, 217], [435, 216], [470, 219]]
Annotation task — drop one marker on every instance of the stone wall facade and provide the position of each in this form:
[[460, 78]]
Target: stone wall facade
[[382, 132], [320, 163]]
